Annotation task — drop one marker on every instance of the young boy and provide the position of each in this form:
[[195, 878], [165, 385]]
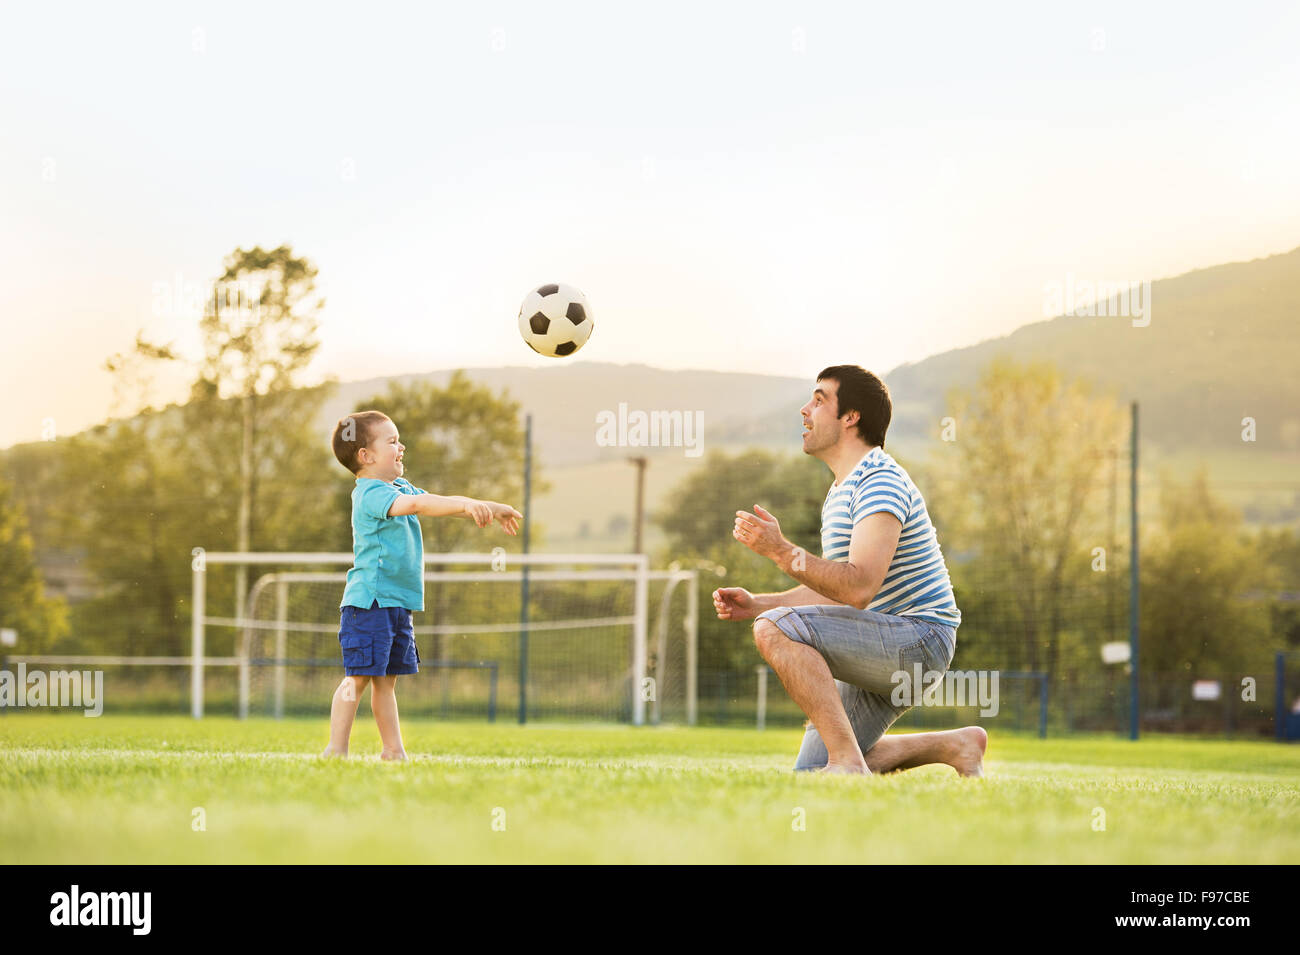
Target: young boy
[[386, 582]]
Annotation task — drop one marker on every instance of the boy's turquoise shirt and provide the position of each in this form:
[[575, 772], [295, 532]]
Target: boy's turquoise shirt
[[388, 552]]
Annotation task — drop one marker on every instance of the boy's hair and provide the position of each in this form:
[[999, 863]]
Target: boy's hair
[[353, 433], [863, 392]]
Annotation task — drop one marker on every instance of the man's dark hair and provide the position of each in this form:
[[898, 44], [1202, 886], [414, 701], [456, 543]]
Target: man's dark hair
[[352, 433], [861, 391]]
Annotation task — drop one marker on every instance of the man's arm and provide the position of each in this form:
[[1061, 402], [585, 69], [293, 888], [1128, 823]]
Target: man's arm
[[801, 596], [854, 582]]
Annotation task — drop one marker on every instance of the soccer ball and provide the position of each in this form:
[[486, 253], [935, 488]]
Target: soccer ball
[[555, 320]]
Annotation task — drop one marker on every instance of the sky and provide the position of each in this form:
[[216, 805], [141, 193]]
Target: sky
[[766, 187]]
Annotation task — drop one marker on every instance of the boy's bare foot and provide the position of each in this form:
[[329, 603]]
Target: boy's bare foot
[[331, 751], [398, 755], [968, 758]]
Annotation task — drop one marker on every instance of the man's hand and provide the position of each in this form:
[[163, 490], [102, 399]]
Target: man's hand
[[735, 603], [761, 533]]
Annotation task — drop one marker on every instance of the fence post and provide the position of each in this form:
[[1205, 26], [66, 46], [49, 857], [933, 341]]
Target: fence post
[[1279, 711], [245, 688], [196, 637], [1228, 706], [523, 583], [692, 640], [1135, 713], [639, 639], [1042, 706], [281, 643]]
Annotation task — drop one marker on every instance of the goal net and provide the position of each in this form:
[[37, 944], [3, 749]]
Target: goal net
[[522, 637]]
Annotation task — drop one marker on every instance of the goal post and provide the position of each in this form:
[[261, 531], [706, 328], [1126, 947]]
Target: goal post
[[591, 628]]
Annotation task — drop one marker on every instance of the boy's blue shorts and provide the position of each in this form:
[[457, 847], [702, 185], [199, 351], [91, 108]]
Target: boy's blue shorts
[[378, 642]]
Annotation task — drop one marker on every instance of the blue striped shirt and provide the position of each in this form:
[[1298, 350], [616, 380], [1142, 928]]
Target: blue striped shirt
[[917, 583]]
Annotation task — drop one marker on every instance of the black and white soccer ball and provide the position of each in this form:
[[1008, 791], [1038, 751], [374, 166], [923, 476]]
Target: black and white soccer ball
[[555, 320]]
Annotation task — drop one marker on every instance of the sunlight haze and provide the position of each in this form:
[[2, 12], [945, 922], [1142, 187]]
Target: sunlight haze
[[768, 188]]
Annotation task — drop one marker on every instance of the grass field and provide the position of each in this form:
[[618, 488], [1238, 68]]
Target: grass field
[[125, 790]]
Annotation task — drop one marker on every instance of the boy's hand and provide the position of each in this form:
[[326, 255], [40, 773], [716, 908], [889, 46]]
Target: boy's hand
[[479, 511], [507, 516], [485, 512]]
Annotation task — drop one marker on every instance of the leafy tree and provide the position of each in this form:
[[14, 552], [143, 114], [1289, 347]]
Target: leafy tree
[[1029, 457], [39, 620], [126, 495], [698, 517], [259, 333], [1201, 580], [1282, 551], [238, 467]]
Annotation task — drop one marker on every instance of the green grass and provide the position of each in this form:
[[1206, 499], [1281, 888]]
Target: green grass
[[123, 790]]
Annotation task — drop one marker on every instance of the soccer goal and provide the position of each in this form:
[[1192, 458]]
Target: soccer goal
[[526, 636]]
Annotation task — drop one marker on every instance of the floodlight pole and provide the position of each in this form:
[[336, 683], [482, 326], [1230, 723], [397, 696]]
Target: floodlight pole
[[523, 582], [639, 517], [1133, 713]]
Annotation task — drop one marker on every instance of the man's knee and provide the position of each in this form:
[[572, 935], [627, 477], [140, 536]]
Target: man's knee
[[767, 636]]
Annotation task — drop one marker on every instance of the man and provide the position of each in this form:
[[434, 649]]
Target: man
[[877, 602]]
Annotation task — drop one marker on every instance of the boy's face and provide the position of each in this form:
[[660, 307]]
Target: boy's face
[[382, 457]]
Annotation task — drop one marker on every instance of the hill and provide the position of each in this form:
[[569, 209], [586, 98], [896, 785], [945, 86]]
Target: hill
[[1221, 345]]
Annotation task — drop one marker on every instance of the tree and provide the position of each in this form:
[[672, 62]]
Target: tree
[[39, 620], [698, 516], [1201, 583], [126, 494], [259, 332], [1030, 455], [230, 470], [1282, 551]]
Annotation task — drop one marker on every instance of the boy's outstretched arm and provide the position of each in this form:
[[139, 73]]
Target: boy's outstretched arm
[[482, 513], [428, 505]]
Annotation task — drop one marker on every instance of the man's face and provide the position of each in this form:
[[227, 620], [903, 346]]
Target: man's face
[[822, 427], [383, 455]]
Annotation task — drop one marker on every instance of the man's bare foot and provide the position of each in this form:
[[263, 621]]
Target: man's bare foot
[[968, 758], [845, 769], [397, 755], [331, 751]]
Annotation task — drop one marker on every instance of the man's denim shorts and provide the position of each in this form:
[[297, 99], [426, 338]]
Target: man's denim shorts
[[378, 642], [863, 649]]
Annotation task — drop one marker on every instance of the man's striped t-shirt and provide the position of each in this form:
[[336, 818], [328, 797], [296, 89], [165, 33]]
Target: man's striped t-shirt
[[917, 583]]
